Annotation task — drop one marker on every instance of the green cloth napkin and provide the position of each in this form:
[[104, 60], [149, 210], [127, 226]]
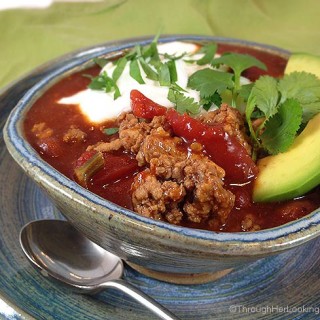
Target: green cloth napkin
[[29, 38]]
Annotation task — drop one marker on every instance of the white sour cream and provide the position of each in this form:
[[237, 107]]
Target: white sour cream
[[99, 106]]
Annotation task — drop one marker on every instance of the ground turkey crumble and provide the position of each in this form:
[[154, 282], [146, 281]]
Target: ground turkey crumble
[[177, 182]]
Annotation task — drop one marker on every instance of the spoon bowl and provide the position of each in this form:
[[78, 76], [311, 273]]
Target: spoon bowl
[[59, 250]]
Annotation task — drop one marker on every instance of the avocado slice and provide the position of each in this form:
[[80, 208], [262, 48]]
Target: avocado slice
[[303, 62], [293, 173]]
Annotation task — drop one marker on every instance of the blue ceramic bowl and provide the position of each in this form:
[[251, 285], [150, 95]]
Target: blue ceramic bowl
[[158, 249]]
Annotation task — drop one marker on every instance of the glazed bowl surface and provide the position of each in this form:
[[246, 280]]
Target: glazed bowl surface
[[168, 252]]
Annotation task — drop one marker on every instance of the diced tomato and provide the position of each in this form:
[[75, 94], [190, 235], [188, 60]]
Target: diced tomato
[[293, 210], [50, 147], [143, 107], [222, 148], [243, 195], [116, 167]]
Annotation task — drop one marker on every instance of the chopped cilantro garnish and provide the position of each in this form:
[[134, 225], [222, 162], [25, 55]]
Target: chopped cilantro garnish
[[266, 95], [101, 62], [183, 104], [208, 82], [110, 131], [283, 105], [148, 70], [164, 75], [238, 63], [215, 100], [135, 71], [245, 91], [104, 83], [211, 83], [280, 130], [174, 57], [209, 51], [305, 87], [120, 65], [173, 71]]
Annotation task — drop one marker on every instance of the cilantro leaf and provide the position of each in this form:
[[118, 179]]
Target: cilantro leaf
[[173, 71], [132, 53], [120, 65], [209, 51], [104, 83], [101, 62], [208, 82], [310, 110], [266, 95], [251, 105], [304, 87], [215, 99], [245, 91], [110, 131], [151, 50], [167, 73], [280, 130], [173, 56], [238, 63], [150, 73], [151, 54], [182, 103], [164, 75], [135, 72]]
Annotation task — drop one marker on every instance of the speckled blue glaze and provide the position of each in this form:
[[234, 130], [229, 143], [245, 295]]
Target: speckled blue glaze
[[152, 244]]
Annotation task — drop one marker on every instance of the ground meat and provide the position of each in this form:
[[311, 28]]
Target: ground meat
[[42, 131], [74, 134], [155, 199], [203, 178], [162, 153], [180, 182], [107, 146], [132, 132], [249, 223], [232, 121], [170, 161]]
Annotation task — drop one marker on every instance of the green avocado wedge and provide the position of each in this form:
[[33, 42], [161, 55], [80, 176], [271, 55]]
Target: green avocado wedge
[[303, 62], [293, 173]]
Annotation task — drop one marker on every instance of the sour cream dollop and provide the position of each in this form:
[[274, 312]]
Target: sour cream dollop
[[99, 106]]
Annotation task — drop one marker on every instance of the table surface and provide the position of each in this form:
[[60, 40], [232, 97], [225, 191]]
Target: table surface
[[30, 37]]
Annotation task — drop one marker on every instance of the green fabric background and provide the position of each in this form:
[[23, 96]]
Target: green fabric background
[[31, 37]]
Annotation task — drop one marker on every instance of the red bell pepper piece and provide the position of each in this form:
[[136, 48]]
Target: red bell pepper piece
[[143, 107], [116, 167], [222, 148]]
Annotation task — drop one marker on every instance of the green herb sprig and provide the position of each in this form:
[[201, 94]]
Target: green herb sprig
[[213, 83], [283, 105], [105, 83]]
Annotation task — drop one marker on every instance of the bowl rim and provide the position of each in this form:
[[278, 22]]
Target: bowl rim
[[278, 238]]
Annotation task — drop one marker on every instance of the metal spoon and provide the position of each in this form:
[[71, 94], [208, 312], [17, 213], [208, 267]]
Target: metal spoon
[[59, 250]]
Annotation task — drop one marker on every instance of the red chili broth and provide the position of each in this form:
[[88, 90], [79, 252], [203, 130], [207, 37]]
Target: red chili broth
[[63, 156]]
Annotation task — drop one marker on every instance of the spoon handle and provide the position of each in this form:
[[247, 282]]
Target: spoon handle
[[141, 297]]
